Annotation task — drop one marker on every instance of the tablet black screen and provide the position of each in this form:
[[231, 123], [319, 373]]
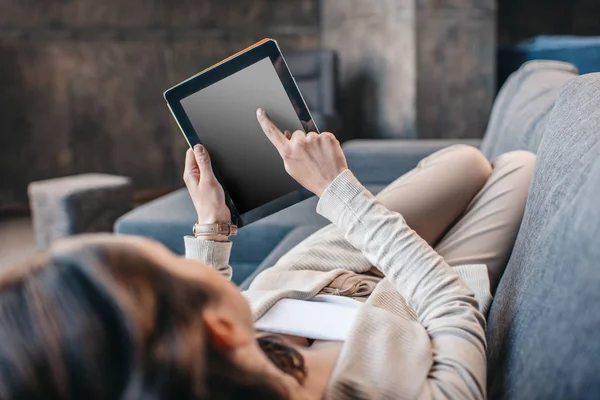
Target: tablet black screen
[[224, 117]]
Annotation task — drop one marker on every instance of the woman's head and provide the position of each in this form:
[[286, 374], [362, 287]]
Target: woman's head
[[103, 317]]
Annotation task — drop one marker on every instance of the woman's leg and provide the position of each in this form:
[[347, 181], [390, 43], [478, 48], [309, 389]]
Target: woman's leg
[[486, 232], [430, 197], [436, 193]]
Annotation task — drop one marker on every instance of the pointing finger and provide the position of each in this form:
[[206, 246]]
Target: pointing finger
[[273, 133]]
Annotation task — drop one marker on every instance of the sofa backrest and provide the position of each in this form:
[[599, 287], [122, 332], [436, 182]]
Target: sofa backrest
[[521, 110], [544, 324]]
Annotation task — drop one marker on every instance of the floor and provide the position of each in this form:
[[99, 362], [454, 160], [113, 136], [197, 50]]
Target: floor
[[16, 240]]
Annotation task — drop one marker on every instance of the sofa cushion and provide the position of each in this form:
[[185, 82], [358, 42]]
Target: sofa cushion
[[381, 161], [521, 110], [543, 324]]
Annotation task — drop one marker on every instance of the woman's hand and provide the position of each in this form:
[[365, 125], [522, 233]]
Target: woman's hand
[[311, 159], [206, 192]]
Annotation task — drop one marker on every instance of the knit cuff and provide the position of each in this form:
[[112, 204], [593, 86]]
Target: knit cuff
[[475, 277], [338, 196], [213, 253]]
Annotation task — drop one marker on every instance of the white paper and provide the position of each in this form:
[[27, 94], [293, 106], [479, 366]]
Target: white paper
[[322, 319]]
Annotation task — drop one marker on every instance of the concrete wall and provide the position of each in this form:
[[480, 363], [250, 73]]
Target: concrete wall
[[456, 64], [81, 81], [376, 46], [413, 68]]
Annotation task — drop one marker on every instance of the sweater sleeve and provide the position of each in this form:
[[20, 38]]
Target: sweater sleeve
[[445, 307], [215, 254]]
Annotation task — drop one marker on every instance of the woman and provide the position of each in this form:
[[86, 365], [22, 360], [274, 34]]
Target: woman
[[103, 317]]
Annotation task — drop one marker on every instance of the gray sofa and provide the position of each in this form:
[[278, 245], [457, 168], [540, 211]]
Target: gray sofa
[[544, 322]]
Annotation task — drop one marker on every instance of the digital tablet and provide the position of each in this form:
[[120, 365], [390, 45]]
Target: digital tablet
[[217, 108]]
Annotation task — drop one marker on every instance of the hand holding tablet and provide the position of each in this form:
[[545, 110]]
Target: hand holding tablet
[[206, 192], [313, 160], [217, 108]]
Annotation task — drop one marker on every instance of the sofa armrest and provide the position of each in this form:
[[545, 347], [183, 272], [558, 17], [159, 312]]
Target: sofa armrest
[[382, 161]]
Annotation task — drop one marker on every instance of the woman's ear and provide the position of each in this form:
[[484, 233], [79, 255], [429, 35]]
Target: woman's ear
[[224, 333]]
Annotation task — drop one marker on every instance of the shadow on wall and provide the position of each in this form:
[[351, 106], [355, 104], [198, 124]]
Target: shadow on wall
[[375, 101], [357, 98]]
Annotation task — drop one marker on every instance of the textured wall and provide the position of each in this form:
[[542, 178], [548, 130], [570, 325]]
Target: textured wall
[[375, 42], [81, 81], [456, 64], [413, 68]]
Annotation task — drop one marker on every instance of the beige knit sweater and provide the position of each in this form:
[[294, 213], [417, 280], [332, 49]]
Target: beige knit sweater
[[420, 334]]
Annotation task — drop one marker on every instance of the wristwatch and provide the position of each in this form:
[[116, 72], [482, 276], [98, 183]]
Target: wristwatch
[[218, 228]]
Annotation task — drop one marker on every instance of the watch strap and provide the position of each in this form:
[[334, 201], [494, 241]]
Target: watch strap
[[218, 228]]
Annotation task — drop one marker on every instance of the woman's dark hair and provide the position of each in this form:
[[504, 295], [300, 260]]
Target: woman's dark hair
[[105, 322]]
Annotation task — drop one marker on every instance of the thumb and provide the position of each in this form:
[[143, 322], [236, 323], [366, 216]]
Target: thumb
[[203, 161]]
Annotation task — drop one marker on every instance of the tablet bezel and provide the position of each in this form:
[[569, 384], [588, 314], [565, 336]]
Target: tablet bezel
[[235, 63]]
